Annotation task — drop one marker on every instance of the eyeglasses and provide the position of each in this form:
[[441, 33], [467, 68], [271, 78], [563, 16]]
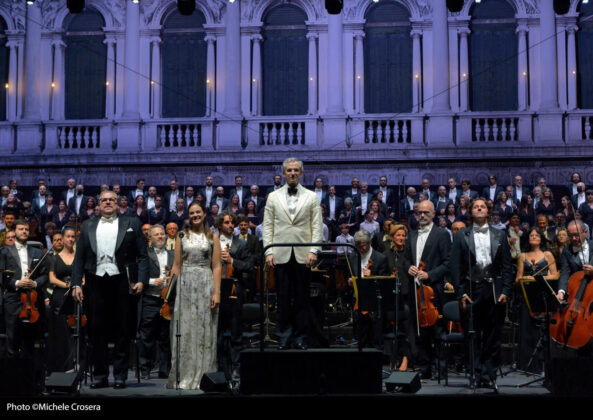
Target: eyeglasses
[[423, 212], [104, 200]]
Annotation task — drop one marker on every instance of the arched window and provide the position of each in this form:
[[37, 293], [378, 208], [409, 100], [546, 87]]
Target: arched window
[[387, 59], [285, 61], [183, 63], [4, 55], [585, 57], [86, 65], [493, 57]]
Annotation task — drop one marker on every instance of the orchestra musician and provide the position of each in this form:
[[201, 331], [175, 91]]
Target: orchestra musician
[[481, 272]]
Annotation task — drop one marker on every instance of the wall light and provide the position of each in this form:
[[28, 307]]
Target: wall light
[[6, 85], [53, 84]]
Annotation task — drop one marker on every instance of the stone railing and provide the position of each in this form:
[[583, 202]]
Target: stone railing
[[179, 135], [80, 136], [388, 131], [278, 132], [473, 128], [495, 129], [282, 133]]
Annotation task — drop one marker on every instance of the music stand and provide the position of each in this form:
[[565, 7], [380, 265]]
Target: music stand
[[541, 300], [374, 295]]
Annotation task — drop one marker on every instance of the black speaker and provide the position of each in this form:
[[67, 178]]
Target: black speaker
[[570, 377], [561, 7], [213, 382], [17, 378], [409, 382], [75, 6], [186, 7], [455, 6], [334, 7], [311, 372], [63, 383]]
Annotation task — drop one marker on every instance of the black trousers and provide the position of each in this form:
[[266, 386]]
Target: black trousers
[[230, 320], [20, 336], [488, 319], [292, 282], [154, 328], [110, 312]]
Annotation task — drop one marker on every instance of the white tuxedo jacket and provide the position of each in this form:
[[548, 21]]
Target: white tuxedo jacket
[[278, 227]]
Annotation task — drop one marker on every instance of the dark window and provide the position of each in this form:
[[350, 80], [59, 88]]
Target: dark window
[[86, 65], [387, 59], [285, 61], [493, 57], [585, 57], [183, 67], [4, 55]]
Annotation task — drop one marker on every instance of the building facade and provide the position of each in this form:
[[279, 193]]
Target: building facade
[[400, 86]]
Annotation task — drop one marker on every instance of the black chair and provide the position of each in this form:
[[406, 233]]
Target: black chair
[[450, 313]]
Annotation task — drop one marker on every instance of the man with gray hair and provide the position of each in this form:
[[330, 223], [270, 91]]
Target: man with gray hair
[[576, 257], [154, 327], [292, 214]]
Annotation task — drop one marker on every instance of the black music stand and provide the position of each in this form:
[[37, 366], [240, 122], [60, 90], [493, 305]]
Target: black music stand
[[541, 301], [375, 295]]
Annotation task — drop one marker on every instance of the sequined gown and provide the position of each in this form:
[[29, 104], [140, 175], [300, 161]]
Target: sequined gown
[[197, 322]]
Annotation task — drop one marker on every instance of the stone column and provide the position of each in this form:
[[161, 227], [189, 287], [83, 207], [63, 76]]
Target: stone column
[[522, 75], [440, 51], [312, 94], [416, 70], [131, 105], [359, 72], [233, 60], [256, 82], [561, 60], [110, 79], [335, 84], [58, 97], [572, 66], [210, 72], [548, 69], [155, 78], [11, 90], [463, 69], [33, 67]]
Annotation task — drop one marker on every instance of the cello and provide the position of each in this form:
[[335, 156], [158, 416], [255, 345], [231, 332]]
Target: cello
[[572, 325], [426, 313]]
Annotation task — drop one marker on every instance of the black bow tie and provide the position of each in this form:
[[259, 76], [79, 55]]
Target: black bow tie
[[292, 190]]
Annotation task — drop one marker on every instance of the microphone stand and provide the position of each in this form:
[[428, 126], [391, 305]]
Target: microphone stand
[[396, 291], [178, 355], [471, 333]]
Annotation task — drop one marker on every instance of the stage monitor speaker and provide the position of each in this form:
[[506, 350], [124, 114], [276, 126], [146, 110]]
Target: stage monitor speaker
[[17, 378], [63, 382], [409, 382], [311, 372], [571, 377], [214, 382]]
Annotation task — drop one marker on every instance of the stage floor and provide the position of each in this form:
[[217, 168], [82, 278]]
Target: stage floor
[[458, 387]]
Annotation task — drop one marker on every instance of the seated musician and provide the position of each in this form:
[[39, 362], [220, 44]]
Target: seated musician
[[237, 262], [429, 246], [576, 257], [373, 263], [536, 260], [153, 327], [20, 258]]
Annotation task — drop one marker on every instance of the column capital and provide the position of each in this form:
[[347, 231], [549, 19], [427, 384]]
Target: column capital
[[359, 35], [257, 38], [464, 31], [572, 28], [58, 43], [210, 38], [156, 40], [311, 36], [13, 43], [521, 28], [416, 32]]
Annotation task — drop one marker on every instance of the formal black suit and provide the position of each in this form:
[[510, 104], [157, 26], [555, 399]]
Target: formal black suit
[[488, 317], [254, 247], [441, 205], [405, 211], [570, 263], [244, 194], [153, 327], [225, 203], [524, 191], [459, 192], [338, 203], [158, 218], [486, 192], [112, 311], [20, 336], [133, 194], [357, 201], [370, 330], [167, 199], [203, 192], [72, 205], [271, 189], [472, 195], [260, 202], [390, 199], [231, 306], [435, 256]]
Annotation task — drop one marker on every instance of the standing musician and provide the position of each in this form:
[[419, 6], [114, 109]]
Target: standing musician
[[373, 263], [480, 262], [292, 214], [430, 245], [237, 262], [153, 327], [21, 258], [106, 253]]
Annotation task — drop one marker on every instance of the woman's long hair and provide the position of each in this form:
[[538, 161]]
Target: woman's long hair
[[207, 231]]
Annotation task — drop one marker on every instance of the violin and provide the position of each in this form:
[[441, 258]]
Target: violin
[[166, 311], [427, 314], [572, 325], [228, 271], [29, 312]]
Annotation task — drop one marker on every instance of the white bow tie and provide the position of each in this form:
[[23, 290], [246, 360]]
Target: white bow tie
[[107, 219]]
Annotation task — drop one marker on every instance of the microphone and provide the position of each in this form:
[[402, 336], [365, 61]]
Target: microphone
[[181, 235]]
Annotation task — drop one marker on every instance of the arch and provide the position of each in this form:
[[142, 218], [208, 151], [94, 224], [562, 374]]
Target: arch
[[7, 17], [388, 11], [82, 22], [210, 10], [518, 7], [415, 8], [575, 6], [257, 13], [63, 16], [290, 13]]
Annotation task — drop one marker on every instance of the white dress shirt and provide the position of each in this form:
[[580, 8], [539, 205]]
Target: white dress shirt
[[78, 203], [453, 194], [482, 242], [423, 233], [161, 255], [219, 201], [173, 200], [519, 192], [106, 241], [493, 192], [364, 202], [69, 194], [410, 202], [344, 239], [319, 193], [332, 207], [364, 261], [582, 255], [24, 260], [574, 189], [150, 203], [208, 191], [384, 190], [581, 198], [225, 242], [239, 192]]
